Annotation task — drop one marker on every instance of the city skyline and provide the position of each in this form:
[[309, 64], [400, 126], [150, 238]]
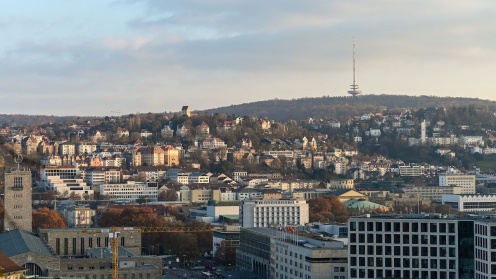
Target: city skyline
[[96, 57]]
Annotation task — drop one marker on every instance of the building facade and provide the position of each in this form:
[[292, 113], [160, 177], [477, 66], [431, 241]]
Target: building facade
[[18, 209], [433, 193], [131, 190], [411, 246], [471, 203], [467, 182], [308, 257], [267, 213]]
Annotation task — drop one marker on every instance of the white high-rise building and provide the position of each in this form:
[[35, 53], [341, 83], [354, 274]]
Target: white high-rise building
[[273, 212]]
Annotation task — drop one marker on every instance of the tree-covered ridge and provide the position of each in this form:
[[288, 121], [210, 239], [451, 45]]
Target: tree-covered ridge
[[26, 119], [338, 107]]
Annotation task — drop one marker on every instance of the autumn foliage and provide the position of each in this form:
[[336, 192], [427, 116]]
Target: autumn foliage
[[47, 218], [130, 217], [327, 209], [225, 254], [180, 243]]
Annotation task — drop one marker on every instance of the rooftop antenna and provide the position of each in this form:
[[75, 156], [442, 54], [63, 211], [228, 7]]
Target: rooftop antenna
[[354, 87]]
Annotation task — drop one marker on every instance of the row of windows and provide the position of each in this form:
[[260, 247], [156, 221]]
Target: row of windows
[[82, 244], [276, 209], [402, 251], [402, 239], [403, 262], [398, 273], [432, 227], [108, 276], [476, 205]]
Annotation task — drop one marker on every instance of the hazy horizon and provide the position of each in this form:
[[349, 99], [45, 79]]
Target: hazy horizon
[[94, 57]]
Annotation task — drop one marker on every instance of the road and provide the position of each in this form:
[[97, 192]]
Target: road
[[183, 273]]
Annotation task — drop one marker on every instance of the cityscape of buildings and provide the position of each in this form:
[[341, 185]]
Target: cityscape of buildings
[[261, 200]]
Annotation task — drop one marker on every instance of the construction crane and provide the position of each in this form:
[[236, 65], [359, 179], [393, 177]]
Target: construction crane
[[114, 235]]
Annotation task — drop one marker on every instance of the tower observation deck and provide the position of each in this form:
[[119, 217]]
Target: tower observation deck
[[354, 91]]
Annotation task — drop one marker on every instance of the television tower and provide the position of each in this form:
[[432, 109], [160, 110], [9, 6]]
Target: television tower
[[354, 87]]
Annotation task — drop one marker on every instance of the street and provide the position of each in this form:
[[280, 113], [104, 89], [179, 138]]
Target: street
[[183, 273]]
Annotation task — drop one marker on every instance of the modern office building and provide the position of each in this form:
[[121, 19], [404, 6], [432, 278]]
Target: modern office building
[[65, 172], [308, 256], [471, 203], [431, 192], [412, 170], [485, 248], [254, 250], [411, 246], [227, 236], [467, 182], [277, 254], [70, 186], [131, 191], [270, 212]]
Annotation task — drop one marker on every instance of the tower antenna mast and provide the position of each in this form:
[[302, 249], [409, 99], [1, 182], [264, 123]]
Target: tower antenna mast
[[354, 87]]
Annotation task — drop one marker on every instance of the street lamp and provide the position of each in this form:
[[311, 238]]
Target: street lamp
[[184, 261]]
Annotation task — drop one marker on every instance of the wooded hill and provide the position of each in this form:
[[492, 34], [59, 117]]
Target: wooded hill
[[297, 109], [340, 107]]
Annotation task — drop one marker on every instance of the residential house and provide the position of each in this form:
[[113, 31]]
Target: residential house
[[204, 129], [264, 123], [145, 134], [67, 149], [225, 126], [167, 132], [122, 132], [182, 130], [213, 143]]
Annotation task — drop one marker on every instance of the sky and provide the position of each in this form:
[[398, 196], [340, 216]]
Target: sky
[[111, 57]]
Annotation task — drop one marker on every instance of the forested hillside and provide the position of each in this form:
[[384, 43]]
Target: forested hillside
[[296, 109], [337, 107], [25, 119]]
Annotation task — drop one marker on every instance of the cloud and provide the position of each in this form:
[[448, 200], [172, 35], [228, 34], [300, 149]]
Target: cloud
[[214, 53]]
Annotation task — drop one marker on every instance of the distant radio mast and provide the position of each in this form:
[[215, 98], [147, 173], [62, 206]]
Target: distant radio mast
[[354, 87]]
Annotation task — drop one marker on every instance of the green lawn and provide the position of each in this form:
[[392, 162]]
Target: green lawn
[[487, 164]]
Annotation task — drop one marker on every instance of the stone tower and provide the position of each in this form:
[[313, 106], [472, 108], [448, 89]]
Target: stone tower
[[18, 204]]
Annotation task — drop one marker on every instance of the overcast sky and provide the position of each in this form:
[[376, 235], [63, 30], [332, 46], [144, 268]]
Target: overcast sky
[[96, 57]]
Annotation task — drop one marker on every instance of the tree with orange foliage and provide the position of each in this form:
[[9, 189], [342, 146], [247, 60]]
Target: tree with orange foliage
[[47, 218], [327, 209], [130, 217]]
